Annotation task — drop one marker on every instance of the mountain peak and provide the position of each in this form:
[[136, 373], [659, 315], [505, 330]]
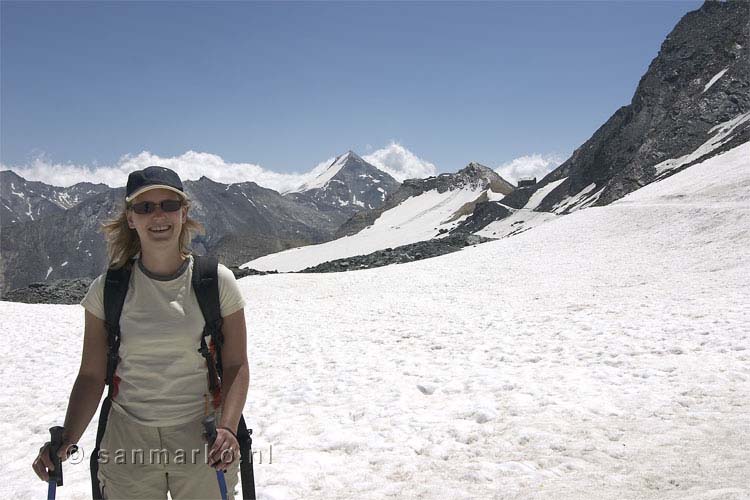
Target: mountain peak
[[349, 156], [476, 172], [475, 167], [9, 174]]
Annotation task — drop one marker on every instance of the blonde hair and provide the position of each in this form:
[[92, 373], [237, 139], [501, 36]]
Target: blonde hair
[[123, 242]]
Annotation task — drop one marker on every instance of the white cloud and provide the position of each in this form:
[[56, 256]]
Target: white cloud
[[190, 166], [394, 159], [533, 165], [401, 163]]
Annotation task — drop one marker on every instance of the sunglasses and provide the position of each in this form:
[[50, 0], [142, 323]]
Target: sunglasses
[[146, 207]]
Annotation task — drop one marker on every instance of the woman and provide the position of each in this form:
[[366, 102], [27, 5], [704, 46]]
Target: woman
[[161, 390]]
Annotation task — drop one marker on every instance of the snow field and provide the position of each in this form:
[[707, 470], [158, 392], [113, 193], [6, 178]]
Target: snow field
[[603, 354]]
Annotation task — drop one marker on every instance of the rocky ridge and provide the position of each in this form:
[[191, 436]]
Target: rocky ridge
[[699, 80], [473, 176], [24, 200]]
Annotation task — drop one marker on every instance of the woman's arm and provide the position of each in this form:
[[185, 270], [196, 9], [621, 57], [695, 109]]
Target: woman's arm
[[86, 393], [89, 385], [236, 375], [233, 388]]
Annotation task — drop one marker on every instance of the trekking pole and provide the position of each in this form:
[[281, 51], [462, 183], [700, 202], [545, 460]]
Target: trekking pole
[[56, 475], [209, 427]]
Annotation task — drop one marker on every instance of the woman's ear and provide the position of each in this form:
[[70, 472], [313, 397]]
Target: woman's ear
[[130, 220]]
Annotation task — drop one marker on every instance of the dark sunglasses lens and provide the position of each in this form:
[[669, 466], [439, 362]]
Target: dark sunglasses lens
[[171, 205], [144, 207]]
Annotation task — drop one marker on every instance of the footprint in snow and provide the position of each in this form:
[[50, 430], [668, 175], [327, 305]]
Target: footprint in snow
[[426, 389]]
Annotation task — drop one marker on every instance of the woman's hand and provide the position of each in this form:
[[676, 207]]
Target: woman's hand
[[225, 451], [43, 464]]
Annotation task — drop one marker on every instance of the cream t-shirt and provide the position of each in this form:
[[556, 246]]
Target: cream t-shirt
[[163, 377]]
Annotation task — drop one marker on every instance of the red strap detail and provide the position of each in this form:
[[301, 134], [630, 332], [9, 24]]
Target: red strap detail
[[216, 399], [216, 393]]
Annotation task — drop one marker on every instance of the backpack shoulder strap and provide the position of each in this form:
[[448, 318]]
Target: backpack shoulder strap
[[206, 286], [115, 290]]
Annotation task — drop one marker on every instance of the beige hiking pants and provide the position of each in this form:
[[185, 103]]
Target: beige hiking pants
[[142, 462]]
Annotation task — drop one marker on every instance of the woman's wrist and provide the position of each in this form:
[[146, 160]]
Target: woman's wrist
[[229, 431]]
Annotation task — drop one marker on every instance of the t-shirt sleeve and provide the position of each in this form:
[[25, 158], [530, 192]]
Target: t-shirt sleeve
[[93, 302], [230, 297]]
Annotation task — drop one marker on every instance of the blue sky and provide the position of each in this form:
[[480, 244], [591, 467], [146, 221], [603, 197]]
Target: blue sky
[[288, 85]]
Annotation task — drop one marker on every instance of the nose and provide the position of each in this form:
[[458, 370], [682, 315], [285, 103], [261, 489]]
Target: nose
[[159, 214]]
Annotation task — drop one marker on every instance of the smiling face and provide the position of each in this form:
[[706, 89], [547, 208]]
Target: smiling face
[[158, 230]]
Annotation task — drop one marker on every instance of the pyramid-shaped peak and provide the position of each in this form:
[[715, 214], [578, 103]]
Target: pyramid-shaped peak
[[349, 156]]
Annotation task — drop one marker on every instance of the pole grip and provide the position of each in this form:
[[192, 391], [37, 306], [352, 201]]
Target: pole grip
[[56, 441], [209, 429]]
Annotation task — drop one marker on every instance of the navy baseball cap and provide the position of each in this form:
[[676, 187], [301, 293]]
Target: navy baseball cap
[[150, 178]]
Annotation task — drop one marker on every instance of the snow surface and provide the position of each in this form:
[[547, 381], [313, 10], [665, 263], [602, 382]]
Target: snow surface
[[714, 79], [417, 218], [517, 222], [604, 354]]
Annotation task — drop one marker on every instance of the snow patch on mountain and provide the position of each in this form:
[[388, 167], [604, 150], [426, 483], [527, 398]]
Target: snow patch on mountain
[[578, 201], [326, 175], [542, 193], [715, 79], [722, 133], [417, 218]]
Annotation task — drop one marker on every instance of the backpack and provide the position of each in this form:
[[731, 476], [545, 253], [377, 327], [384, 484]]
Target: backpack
[[206, 285]]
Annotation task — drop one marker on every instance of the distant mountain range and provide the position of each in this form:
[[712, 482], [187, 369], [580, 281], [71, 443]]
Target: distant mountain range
[[22, 200], [52, 232], [692, 103]]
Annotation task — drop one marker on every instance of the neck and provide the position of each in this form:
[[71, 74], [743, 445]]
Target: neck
[[163, 264]]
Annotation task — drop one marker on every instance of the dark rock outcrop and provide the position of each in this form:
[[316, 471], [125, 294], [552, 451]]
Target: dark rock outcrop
[[61, 291], [72, 291], [484, 214], [405, 253]]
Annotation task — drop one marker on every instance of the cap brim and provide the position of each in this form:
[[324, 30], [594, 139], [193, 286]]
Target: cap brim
[[133, 196]]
